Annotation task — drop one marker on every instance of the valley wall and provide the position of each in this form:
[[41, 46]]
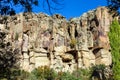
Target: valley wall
[[58, 43]]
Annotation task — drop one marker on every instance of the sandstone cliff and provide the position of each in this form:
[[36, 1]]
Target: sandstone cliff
[[63, 45]]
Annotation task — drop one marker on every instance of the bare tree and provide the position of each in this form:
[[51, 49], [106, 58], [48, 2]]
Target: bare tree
[[114, 5], [8, 7], [51, 5]]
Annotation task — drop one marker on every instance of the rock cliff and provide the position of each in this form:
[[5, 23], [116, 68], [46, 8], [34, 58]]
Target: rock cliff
[[63, 45]]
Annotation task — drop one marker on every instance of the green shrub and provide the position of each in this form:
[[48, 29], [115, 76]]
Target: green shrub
[[15, 74], [16, 36], [73, 43], [98, 71], [114, 36], [66, 76], [24, 75], [9, 58], [82, 74], [98, 67], [44, 72]]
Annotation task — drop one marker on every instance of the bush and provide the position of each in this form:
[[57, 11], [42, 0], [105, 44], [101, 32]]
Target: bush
[[66, 76], [24, 75], [16, 36], [114, 36], [44, 72], [9, 58], [73, 43], [82, 74], [97, 72]]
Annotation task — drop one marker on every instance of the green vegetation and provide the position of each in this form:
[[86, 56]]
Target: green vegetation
[[114, 36], [73, 43], [8, 59], [97, 72], [114, 5], [82, 74], [16, 36], [46, 73]]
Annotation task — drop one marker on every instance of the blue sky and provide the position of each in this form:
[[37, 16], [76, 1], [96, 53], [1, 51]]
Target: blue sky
[[75, 8]]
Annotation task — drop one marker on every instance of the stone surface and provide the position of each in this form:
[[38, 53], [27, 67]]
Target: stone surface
[[66, 57], [63, 45], [103, 57]]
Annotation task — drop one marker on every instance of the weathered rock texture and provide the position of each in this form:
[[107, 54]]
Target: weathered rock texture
[[63, 45]]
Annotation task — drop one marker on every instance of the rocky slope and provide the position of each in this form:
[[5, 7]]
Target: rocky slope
[[63, 45]]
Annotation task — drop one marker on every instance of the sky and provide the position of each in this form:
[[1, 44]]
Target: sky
[[74, 8]]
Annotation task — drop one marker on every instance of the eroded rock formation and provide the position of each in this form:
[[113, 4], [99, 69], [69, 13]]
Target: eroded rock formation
[[63, 45]]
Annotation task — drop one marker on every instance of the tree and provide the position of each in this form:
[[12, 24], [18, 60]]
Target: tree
[[8, 57], [114, 5], [53, 5], [8, 7], [114, 36]]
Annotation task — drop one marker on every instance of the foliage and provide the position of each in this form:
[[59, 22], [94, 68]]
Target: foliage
[[73, 43], [44, 72], [98, 67], [9, 7], [113, 7], [16, 36], [66, 76], [114, 36], [82, 74], [115, 4], [24, 75], [97, 71], [8, 57]]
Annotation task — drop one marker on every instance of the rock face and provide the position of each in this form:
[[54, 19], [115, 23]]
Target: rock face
[[63, 45]]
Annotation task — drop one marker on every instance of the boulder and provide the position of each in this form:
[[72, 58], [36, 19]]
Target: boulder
[[67, 57]]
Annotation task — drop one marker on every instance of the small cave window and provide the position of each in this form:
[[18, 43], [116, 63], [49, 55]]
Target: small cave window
[[96, 50], [66, 60]]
